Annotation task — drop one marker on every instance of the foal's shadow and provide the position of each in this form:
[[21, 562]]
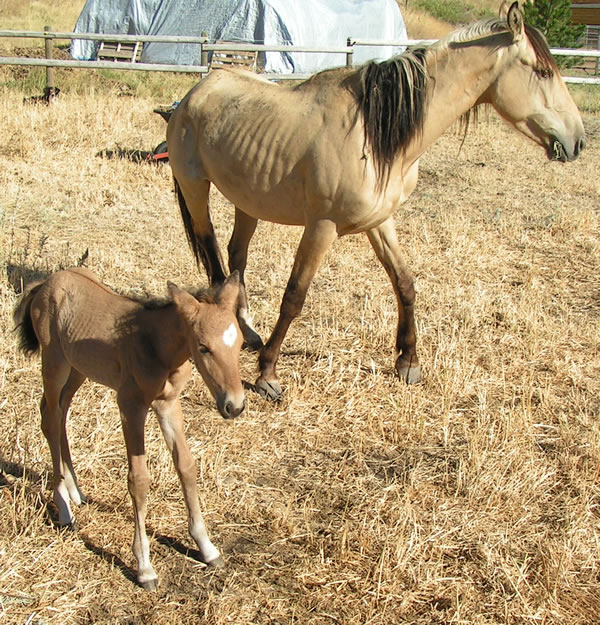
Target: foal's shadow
[[109, 557]]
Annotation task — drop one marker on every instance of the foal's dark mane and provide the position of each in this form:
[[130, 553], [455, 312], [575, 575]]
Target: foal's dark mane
[[204, 295]]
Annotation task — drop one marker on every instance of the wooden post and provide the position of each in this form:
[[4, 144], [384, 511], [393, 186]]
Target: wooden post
[[49, 90], [597, 66], [203, 52], [350, 54]]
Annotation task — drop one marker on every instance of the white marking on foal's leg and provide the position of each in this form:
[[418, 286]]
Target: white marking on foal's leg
[[230, 335]]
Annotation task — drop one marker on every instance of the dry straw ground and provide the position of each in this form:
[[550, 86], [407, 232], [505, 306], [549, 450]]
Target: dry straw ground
[[471, 498]]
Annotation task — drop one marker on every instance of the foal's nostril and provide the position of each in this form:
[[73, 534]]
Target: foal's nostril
[[228, 408]]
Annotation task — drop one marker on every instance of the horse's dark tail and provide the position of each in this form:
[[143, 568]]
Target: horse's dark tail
[[28, 340], [205, 249]]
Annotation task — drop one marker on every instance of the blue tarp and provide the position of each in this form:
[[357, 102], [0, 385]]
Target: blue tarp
[[314, 23]]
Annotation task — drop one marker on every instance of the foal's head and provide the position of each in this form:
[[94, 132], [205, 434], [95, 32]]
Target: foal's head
[[215, 341]]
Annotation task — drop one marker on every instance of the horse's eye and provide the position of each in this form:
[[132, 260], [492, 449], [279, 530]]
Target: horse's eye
[[203, 349], [544, 72]]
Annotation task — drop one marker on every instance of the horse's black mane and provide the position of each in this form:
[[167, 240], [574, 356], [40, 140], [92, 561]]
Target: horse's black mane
[[392, 102]]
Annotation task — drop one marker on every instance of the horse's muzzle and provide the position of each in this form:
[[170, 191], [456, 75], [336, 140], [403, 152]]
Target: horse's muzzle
[[558, 152]]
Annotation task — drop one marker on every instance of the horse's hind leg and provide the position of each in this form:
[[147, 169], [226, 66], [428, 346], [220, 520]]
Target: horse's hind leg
[[55, 374], [385, 243], [243, 230], [193, 203]]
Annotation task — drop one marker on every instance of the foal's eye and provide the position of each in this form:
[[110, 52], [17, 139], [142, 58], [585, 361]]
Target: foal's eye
[[203, 349]]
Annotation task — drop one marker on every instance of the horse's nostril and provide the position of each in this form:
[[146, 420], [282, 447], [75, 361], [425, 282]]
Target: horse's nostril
[[228, 408]]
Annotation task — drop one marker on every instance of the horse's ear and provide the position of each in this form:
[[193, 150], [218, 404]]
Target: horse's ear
[[516, 22], [228, 295]]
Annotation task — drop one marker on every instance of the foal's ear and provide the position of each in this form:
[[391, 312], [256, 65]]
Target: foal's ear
[[515, 21], [180, 297], [228, 295]]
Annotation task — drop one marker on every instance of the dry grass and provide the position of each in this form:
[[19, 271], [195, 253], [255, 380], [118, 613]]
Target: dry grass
[[472, 498]]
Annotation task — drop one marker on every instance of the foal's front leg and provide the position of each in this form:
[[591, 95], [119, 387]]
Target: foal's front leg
[[385, 243], [170, 418], [133, 420]]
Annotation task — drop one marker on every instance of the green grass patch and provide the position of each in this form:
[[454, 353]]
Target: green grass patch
[[453, 11]]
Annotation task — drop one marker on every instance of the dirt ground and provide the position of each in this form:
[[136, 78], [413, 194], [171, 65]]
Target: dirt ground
[[470, 498]]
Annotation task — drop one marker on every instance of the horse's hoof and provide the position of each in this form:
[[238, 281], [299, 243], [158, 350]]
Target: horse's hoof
[[410, 375], [217, 563], [271, 391], [71, 526], [149, 584]]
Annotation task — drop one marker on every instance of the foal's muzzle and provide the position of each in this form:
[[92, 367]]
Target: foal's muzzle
[[230, 409]]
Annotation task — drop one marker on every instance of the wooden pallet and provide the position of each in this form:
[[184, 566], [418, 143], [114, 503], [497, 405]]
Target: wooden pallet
[[233, 58], [124, 52]]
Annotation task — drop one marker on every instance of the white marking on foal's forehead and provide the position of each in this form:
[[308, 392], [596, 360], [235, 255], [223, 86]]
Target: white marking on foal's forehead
[[230, 335]]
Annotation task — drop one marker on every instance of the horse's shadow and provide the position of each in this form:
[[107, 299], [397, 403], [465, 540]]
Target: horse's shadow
[[135, 156]]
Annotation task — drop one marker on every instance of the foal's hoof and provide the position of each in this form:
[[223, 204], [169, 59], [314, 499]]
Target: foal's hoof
[[411, 375], [149, 584], [269, 390], [217, 563]]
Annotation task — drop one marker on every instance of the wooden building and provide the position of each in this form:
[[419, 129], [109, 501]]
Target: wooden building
[[585, 12]]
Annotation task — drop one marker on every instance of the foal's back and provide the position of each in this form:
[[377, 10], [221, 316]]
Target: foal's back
[[78, 317]]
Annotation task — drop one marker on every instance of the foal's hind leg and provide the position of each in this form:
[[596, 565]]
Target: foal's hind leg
[[243, 230], [75, 380], [55, 374], [385, 243]]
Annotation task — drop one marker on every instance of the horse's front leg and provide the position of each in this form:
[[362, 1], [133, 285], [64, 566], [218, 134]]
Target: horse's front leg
[[315, 242], [243, 230], [385, 243], [170, 418], [133, 420]]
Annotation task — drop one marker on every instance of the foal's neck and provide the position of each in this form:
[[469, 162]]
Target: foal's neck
[[166, 332]]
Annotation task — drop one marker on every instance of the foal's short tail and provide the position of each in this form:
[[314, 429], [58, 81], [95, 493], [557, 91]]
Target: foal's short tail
[[28, 340]]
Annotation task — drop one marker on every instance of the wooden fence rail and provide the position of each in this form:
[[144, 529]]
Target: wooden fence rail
[[205, 46]]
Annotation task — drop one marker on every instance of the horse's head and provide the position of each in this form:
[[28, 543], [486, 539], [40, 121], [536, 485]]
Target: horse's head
[[215, 341], [530, 94]]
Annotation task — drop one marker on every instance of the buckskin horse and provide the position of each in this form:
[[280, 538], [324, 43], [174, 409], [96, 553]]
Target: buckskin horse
[[339, 153], [142, 350]]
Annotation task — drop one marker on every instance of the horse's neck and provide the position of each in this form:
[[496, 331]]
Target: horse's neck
[[459, 77]]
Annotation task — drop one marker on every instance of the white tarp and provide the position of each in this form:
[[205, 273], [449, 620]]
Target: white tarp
[[314, 23]]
